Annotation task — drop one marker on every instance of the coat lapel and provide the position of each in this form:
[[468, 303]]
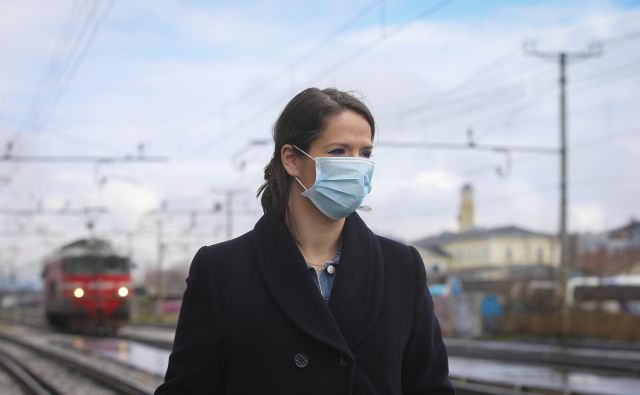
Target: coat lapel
[[356, 296], [284, 271]]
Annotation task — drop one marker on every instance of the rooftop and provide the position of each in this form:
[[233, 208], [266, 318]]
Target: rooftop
[[476, 234]]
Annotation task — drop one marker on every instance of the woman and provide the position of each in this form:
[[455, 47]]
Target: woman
[[310, 301]]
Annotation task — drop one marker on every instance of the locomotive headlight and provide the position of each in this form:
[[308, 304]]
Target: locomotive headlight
[[78, 292], [123, 292]]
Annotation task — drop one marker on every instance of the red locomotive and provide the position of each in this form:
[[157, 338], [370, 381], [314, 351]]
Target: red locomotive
[[87, 286]]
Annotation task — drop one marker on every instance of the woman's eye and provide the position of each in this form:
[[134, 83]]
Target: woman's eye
[[337, 151], [366, 154]]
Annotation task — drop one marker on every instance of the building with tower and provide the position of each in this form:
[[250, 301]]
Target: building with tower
[[475, 249], [465, 217]]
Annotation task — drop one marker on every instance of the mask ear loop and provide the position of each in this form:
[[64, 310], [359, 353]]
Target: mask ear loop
[[301, 184], [310, 157]]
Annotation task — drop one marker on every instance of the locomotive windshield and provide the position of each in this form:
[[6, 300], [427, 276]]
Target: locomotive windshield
[[96, 264]]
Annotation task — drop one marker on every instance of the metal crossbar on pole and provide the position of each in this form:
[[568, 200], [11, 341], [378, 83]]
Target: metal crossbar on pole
[[79, 159]]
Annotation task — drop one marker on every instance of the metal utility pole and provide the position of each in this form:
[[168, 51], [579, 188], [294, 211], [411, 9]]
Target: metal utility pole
[[160, 293], [562, 57], [230, 194], [229, 214]]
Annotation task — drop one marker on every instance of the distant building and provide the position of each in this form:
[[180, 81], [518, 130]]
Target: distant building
[[625, 237], [475, 248], [436, 260], [608, 253], [502, 246]]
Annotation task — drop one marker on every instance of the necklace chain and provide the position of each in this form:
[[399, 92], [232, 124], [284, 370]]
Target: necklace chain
[[318, 267]]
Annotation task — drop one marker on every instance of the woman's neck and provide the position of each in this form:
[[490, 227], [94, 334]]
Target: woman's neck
[[317, 235]]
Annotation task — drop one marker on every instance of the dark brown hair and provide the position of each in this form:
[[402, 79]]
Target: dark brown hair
[[301, 122]]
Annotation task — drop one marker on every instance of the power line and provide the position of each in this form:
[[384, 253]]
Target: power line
[[246, 121], [497, 89], [482, 71], [330, 70], [485, 95], [466, 104], [634, 35], [500, 60], [467, 146], [60, 75], [365, 48], [53, 70], [623, 71], [75, 62], [589, 109], [295, 63]]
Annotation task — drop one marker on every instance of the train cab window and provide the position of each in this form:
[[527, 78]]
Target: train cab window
[[96, 264], [115, 265]]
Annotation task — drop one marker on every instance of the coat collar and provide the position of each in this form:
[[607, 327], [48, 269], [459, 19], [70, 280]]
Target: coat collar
[[357, 292]]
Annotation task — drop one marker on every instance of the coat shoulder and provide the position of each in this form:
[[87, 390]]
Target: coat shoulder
[[217, 257], [401, 257], [230, 246], [398, 253]]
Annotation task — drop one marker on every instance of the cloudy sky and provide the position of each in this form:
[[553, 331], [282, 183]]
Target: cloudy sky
[[198, 81]]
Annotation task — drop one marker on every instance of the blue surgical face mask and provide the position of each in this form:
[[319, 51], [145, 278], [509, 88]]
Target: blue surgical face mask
[[341, 184]]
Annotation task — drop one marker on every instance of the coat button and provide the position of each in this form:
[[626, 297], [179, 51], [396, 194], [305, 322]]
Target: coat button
[[301, 360], [343, 362]]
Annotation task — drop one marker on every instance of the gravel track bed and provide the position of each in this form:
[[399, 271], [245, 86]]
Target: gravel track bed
[[51, 341], [8, 384], [60, 377]]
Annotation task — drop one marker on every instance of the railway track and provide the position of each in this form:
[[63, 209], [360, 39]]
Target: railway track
[[39, 368], [500, 368], [37, 375], [16, 379]]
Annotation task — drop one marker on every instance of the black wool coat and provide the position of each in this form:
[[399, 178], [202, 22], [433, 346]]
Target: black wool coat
[[253, 322]]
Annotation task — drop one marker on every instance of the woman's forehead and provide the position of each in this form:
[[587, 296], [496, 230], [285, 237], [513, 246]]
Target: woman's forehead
[[347, 127]]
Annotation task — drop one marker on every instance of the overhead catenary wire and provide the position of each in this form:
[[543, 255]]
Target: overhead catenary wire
[[621, 39], [248, 120], [47, 99], [492, 66], [300, 59], [547, 90], [50, 76], [74, 60], [433, 104]]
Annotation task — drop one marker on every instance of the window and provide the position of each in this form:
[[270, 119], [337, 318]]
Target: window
[[96, 264]]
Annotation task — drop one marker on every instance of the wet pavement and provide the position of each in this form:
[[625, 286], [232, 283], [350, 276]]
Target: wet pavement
[[629, 355], [154, 361], [540, 377], [127, 352], [162, 337]]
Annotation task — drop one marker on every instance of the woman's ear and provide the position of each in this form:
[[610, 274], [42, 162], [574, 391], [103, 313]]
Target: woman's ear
[[290, 160]]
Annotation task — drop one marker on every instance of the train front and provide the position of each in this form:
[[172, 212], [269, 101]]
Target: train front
[[98, 288]]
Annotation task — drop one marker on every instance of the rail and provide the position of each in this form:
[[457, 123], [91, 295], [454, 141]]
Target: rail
[[108, 379]]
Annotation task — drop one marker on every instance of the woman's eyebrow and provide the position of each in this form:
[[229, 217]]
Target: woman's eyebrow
[[346, 145]]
